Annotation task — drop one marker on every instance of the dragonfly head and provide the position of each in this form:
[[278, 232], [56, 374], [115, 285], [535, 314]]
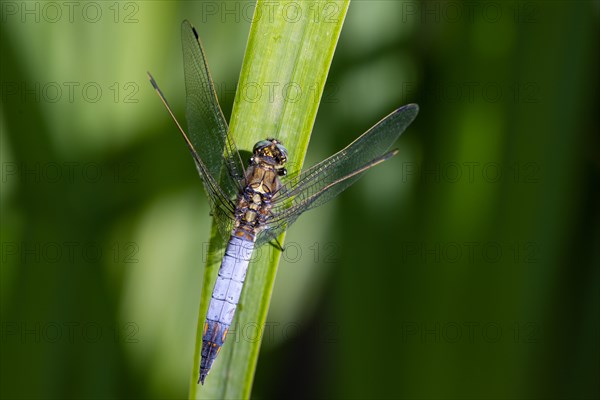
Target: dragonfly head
[[270, 152]]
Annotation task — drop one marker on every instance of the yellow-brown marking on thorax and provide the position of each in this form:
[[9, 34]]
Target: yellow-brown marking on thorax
[[260, 184]]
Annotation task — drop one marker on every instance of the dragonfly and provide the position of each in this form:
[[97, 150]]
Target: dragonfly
[[254, 203]]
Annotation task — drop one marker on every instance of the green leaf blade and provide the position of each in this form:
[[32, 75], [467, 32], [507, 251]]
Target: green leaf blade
[[285, 67]]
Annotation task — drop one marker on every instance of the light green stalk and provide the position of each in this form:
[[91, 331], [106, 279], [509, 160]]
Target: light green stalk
[[287, 59]]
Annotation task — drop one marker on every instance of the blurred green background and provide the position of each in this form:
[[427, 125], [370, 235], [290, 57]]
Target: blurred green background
[[466, 267]]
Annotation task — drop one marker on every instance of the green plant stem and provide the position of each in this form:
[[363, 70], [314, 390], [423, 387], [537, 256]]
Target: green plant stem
[[285, 67]]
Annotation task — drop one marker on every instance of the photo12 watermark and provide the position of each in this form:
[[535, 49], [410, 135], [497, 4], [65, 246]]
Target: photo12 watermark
[[69, 252], [473, 172], [90, 92], [469, 252], [69, 12], [69, 172], [67, 332], [289, 11], [274, 332], [473, 92], [469, 332], [279, 92], [463, 12], [293, 253]]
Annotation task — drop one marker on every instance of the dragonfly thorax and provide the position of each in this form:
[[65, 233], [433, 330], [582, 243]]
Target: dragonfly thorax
[[260, 184], [270, 153]]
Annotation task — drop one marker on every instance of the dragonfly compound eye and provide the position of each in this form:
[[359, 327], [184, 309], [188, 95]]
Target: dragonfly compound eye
[[283, 152], [260, 145]]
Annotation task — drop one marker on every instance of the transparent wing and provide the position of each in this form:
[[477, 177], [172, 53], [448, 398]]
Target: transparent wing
[[207, 127], [213, 151], [330, 177], [221, 205]]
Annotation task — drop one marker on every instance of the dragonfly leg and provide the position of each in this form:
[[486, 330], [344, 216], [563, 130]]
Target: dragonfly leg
[[275, 243]]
